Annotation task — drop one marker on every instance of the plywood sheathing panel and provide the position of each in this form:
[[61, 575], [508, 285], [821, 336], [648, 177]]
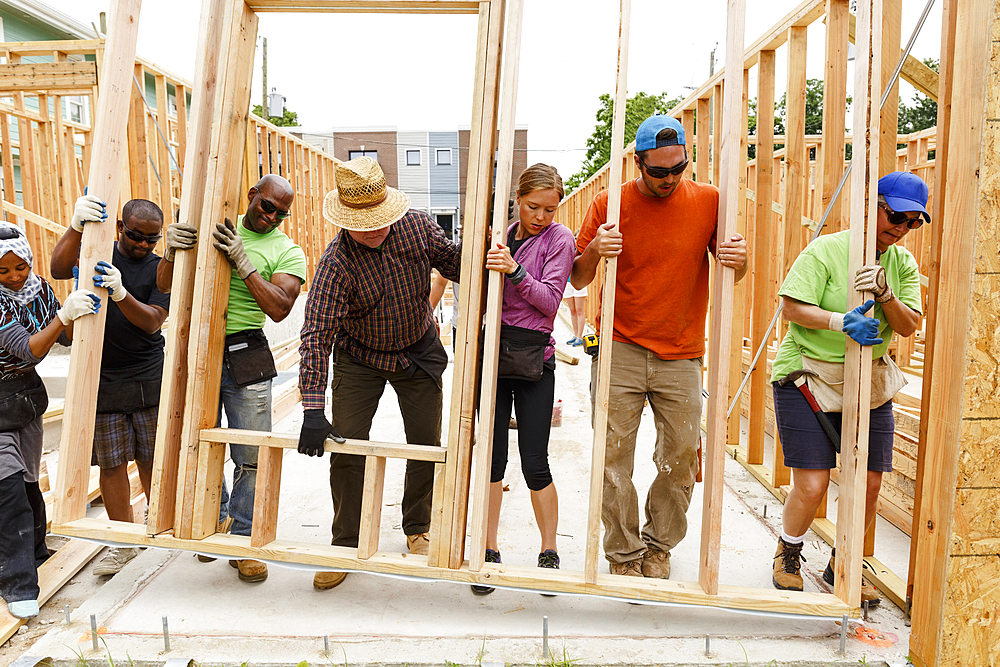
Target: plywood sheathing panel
[[970, 612]]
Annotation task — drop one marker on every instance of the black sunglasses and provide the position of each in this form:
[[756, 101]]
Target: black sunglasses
[[902, 217], [663, 172], [8, 233], [140, 238], [270, 208]]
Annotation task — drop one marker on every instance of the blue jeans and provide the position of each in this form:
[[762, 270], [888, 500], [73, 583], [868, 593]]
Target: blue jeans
[[247, 408]]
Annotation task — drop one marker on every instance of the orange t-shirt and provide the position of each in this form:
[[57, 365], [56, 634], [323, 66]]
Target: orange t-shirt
[[661, 297]]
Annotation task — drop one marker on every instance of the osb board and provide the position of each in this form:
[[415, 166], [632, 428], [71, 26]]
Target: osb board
[[972, 601], [976, 523], [980, 443], [982, 377]]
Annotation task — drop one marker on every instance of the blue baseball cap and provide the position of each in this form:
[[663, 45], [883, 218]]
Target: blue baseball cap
[[645, 138], [904, 191]]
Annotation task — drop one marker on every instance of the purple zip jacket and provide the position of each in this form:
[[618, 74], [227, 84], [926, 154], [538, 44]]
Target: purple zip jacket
[[548, 259]]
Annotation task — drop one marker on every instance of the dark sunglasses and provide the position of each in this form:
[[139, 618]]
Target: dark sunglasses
[[663, 172], [270, 208], [8, 233], [902, 217], [140, 238]]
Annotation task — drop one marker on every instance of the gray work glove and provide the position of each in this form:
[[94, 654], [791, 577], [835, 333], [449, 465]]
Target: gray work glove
[[179, 237], [229, 243], [88, 209], [871, 278], [79, 303]]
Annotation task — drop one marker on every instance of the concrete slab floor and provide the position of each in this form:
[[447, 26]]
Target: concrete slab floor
[[371, 619]]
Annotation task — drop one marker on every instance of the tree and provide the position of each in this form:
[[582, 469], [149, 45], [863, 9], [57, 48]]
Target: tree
[[638, 108], [814, 111], [923, 113], [287, 119]]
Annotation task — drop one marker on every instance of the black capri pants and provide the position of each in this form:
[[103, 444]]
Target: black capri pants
[[532, 403]]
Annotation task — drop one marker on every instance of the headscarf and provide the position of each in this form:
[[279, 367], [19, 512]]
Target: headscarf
[[19, 246]]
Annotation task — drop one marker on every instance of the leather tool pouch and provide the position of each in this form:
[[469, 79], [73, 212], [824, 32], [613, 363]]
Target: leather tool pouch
[[248, 357], [22, 400], [522, 353]]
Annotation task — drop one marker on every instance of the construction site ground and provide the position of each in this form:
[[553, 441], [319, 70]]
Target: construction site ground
[[215, 619]]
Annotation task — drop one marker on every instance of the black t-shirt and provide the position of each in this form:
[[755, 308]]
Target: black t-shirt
[[126, 346]]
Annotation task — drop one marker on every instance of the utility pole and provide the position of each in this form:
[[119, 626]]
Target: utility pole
[[711, 60], [263, 101]]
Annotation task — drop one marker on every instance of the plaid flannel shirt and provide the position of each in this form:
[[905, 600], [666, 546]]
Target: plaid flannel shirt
[[372, 303]]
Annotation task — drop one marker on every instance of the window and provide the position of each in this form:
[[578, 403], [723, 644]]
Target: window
[[353, 154], [413, 158], [74, 109], [444, 156]]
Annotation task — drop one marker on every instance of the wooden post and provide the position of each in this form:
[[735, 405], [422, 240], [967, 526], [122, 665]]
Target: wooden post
[[371, 506], [955, 596], [857, 364], [892, 11], [738, 321], [687, 120], [88, 333], [482, 453], [720, 339], [834, 102], [718, 103], [763, 299], [138, 151], [603, 388], [163, 151], [703, 145], [167, 473], [211, 285]]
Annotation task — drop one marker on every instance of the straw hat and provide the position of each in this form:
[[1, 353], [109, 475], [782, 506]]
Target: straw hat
[[362, 202]]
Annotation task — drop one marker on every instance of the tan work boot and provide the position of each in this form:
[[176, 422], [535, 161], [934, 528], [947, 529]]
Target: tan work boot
[[223, 527], [787, 566], [323, 581], [418, 544], [630, 568], [869, 593], [250, 571], [656, 564], [115, 560]]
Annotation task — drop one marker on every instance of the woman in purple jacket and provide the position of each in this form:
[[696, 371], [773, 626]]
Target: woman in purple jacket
[[537, 260]]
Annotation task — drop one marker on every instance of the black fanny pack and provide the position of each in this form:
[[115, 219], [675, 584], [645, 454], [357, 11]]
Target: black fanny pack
[[22, 400], [248, 357], [129, 394], [522, 353]]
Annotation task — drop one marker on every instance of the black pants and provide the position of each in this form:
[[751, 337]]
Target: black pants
[[532, 402], [22, 538], [357, 388]]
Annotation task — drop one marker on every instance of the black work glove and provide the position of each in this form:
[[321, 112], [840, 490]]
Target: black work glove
[[315, 430]]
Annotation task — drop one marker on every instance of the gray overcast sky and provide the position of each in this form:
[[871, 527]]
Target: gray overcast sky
[[415, 72]]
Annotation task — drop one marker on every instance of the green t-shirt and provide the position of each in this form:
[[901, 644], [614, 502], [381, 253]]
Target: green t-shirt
[[270, 253], [819, 277]]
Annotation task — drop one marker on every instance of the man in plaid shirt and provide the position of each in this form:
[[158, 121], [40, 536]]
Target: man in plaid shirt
[[368, 306]]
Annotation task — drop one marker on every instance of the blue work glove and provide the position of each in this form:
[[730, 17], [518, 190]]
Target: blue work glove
[[854, 323], [78, 304], [110, 278], [315, 430], [88, 209]]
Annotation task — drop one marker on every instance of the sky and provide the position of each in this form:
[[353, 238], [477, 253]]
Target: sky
[[415, 73]]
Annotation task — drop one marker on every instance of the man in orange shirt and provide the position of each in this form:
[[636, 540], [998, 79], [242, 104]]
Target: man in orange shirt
[[667, 230]]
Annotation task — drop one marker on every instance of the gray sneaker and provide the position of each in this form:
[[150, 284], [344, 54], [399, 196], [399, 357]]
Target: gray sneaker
[[115, 560]]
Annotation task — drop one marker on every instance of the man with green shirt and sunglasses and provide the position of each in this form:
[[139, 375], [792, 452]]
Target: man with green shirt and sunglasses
[[269, 270]]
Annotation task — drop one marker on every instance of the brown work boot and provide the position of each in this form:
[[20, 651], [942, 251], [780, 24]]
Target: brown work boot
[[223, 527], [787, 565], [250, 570], [869, 593], [418, 544], [323, 581], [630, 568], [656, 564]]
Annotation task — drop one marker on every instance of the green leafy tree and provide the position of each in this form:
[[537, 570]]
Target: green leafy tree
[[287, 118], [814, 111], [923, 113], [638, 108]]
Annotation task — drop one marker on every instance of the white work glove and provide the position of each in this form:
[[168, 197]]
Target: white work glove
[[179, 237], [88, 209], [79, 303], [228, 241], [110, 278], [871, 278]]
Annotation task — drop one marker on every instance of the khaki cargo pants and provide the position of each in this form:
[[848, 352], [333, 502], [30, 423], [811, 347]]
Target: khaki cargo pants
[[674, 391]]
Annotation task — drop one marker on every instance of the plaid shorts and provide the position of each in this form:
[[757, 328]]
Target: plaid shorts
[[120, 438]]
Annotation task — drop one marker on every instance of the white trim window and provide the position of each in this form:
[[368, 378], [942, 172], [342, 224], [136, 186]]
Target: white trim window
[[413, 158], [443, 156]]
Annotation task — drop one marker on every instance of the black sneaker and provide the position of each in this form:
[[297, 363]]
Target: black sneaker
[[491, 557], [548, 559]]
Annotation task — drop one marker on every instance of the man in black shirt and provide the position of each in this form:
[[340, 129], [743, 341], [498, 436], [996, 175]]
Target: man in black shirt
[[132, 360]]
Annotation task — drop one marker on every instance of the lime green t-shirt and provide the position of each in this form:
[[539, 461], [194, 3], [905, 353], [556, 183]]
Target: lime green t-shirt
[[819, 277], [270, 253]]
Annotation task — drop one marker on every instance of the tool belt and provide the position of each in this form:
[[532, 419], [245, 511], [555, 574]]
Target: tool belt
[[522, 353], [136, 391], [23, 399], [828, 384], [248, 357]]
